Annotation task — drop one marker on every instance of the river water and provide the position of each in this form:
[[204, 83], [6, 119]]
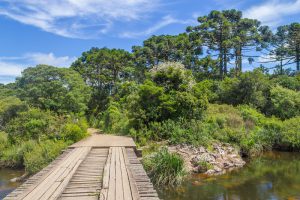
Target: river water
[[273, 176], [5, 185]]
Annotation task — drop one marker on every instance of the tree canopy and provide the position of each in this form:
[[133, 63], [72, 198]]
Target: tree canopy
[[57, 89]]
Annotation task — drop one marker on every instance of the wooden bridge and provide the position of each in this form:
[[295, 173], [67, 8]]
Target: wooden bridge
[[103, 167]]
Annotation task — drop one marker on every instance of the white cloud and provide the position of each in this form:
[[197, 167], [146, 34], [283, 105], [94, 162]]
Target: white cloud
[[165, 21], [49, 59], [13, 66], [271, 12], [10, 69], [76, 18]]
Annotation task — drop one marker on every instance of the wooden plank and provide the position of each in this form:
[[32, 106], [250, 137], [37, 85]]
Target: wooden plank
[[112, 177], [65, 180], [133, 188], [119, 181], [125, 178], [107, 170], [35, 180], [43, 186]]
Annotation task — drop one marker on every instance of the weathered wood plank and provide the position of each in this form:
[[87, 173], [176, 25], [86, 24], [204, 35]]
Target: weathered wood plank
[[112, 177]]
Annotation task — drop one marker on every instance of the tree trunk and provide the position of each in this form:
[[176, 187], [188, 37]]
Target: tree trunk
[[298, 58], [225, 61], [221, 62], [238, 60], [281, 67]]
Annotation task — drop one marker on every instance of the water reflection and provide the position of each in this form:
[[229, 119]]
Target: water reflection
[[5, 185], [273, 176]]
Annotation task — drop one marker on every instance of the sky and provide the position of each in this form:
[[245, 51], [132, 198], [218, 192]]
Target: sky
[[56, 32]]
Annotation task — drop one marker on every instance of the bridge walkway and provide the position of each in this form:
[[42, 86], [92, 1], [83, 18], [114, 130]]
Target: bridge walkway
[[101, 167]]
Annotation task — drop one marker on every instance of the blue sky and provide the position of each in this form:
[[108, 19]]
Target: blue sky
[[56, 32]]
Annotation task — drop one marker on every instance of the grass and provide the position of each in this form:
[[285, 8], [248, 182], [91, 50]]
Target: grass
[[164, 168]]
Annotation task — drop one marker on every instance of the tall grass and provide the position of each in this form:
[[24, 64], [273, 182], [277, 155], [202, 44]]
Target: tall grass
[[164, 168]]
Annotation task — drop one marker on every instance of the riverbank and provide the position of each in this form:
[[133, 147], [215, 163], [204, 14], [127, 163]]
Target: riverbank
[[273, 175], [219, 159]]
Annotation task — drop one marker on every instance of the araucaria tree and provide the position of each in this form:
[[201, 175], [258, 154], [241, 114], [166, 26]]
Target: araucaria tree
[[229, 35], [286, 46]]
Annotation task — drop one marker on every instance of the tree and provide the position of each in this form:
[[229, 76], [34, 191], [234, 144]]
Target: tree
[[247, 37], [57, 89], [169, 93], [167, 48], [294, 43], [286, 46], [214, 32], [102, 69], [231, 36]]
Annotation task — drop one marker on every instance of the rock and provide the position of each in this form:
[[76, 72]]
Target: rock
[[223, 158]]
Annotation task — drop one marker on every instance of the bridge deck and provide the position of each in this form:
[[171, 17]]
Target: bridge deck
[[91, 170]]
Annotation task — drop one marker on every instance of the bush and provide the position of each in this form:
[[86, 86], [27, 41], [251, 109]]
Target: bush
[[13, 155], [74, 129], [292, 83], [32, 124], [285, 103], [42, 155], [164, 168], [3, 142], [249, 88], [291, 133], [73, 132], [115, 121], [9, 107]]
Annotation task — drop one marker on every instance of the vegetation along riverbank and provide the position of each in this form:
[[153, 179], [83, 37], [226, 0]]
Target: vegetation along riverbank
[[188, 91]]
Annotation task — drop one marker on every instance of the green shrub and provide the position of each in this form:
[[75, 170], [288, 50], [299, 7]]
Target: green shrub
[[249, 88], [292, 83], [285, 103], [115, 121], [32, 124], [42, 155], [291, 133], [3, 142], [204, 166], [74, 130], [13, 155], [164, 168], [9, 107]]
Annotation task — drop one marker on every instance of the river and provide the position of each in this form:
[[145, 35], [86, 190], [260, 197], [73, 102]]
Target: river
[[273, 176], [5, 185]]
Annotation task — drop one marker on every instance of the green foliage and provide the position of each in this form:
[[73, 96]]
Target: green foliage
[[9, 107], [74, 131], [164, 168], [13, 155], [3, 142], [289, 82], [204, 166], [103, 69], [249, 88], [115, 121], [291, 133], [57, 89], [285, 103], [170, 94], [167, 48], [42, 155], [32, 124]]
